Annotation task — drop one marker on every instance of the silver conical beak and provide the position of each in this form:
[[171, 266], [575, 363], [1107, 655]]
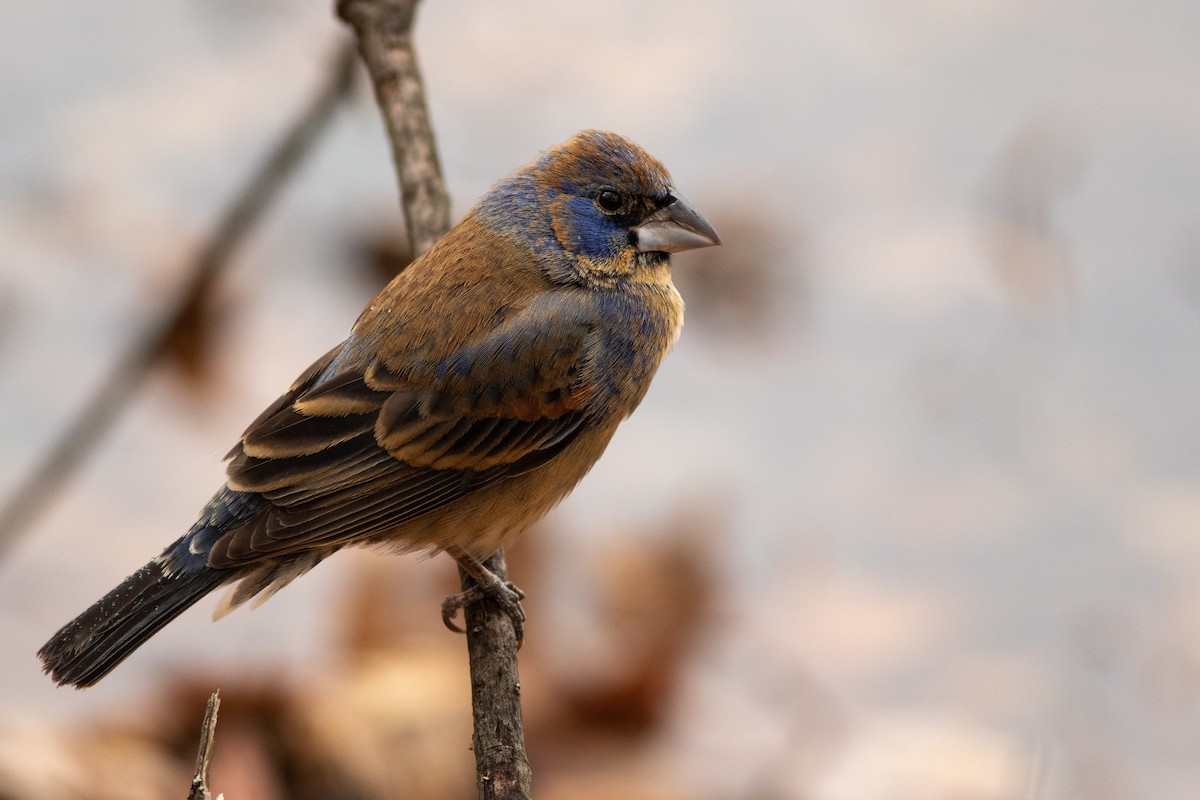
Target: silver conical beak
[[675, 228]]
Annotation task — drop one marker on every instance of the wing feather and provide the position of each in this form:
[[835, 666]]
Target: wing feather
[[358, 447]]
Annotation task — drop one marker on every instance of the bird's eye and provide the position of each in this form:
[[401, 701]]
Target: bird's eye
[[610, 202]]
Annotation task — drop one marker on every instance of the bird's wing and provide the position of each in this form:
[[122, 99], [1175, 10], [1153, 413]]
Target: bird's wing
[[349, 455]]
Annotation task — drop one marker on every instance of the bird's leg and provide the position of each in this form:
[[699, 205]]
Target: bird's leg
[[487, 585]]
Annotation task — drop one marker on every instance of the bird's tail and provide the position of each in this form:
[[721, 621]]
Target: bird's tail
[[94, 643]]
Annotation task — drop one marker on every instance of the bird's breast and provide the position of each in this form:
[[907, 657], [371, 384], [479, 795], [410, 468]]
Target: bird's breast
[[637, 330]]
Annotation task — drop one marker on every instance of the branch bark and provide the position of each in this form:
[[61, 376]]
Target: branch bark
[[102, 409], [384, 30], [208, 734], [501, 766]]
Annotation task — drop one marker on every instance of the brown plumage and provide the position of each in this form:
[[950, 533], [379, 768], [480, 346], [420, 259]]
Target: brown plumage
[[473, 393]]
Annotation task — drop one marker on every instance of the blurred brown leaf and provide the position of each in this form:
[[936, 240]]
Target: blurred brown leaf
[[740, 288], [380, 252], [102, 763], [189, 345], [1037, 169]]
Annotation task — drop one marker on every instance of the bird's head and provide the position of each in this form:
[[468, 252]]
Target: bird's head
[[603, 204]]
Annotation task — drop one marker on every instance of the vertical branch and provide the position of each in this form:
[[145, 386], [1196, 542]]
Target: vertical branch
[[208, 738], [384, 30], [501, 766]]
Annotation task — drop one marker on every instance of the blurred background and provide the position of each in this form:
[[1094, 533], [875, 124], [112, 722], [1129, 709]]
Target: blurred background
[[911, 512]]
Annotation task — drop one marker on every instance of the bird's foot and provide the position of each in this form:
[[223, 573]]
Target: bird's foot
[[488, 586], [504, 593]]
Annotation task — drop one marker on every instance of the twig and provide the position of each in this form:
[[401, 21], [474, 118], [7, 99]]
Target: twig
[[208, 734], [501, 765], [82, 435], [384, 29]]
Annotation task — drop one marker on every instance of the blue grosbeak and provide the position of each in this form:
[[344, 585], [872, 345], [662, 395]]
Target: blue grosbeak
[[472, 395]]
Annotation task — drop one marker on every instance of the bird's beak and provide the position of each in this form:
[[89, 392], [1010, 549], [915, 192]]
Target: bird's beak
[[675, 228]]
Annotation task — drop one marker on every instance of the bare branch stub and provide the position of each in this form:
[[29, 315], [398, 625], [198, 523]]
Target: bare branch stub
[[208, 734]]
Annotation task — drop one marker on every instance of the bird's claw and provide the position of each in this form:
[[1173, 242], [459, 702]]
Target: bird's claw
[[505, 594]]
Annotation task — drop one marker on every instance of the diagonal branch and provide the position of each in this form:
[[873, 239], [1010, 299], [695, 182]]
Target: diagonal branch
[[384, 29], [98, 415]]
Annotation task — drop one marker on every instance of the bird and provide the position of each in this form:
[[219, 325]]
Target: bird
[[471, 395]]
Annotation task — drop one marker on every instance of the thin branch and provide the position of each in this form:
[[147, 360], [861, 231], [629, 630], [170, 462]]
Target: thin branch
[[98, 415], [384, 29], [208, 737], [501, 766]]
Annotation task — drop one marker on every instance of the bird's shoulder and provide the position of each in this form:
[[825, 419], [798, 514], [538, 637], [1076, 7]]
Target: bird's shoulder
[[492, 365], [470, 282]]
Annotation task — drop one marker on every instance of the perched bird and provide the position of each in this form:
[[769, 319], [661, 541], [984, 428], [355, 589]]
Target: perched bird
[[471, 396]]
